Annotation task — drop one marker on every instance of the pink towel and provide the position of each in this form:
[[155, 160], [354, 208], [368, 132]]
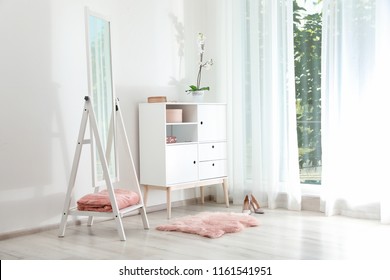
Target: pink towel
[[100, 202]]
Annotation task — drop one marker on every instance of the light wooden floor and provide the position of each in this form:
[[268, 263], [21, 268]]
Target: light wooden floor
[[282, 235]]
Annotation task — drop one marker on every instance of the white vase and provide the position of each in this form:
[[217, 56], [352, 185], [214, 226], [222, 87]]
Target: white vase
[[197, 95]]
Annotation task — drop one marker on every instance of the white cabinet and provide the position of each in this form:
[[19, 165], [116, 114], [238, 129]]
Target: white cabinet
[[182, 154]]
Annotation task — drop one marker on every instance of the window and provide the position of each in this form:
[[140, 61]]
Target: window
[[307, 55]]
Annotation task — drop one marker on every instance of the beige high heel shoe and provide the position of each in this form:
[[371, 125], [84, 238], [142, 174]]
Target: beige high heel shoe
[[246, 206], [255, 205]]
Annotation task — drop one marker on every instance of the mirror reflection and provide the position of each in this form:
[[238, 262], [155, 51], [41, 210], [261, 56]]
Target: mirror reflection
[[101, 90]]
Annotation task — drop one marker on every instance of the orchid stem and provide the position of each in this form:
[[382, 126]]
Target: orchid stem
[[199, 77], [200, 71]]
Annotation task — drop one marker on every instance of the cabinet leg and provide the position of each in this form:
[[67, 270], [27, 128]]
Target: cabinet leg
[[202, 194], [146, 192], [169, 209], [226, 191]]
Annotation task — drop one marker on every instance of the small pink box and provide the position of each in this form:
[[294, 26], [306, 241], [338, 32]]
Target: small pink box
[[174, 115]]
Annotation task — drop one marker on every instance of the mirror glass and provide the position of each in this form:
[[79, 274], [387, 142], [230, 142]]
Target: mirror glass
[[101, 92]]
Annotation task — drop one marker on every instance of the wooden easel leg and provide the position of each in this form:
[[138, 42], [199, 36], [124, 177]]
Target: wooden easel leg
[[119, 227], [107, 178], [64, 221], [145, 221], [142, 210], [65, 212], [75, 165]]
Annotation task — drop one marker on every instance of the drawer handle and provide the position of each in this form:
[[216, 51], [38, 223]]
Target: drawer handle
[[201, 122], [212, 146], [194, 161], [213, 164]]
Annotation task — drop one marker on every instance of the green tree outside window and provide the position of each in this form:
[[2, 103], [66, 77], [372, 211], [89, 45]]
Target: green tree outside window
[[307, 55]]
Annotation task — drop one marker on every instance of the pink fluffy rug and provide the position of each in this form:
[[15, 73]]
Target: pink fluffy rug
[[211, 224]]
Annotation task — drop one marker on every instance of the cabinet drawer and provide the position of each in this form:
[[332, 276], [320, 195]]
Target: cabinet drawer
[[212, 169], [212, 151]]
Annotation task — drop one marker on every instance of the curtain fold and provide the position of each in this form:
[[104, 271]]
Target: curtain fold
[[355, 141], [382, 88], [264, 136]]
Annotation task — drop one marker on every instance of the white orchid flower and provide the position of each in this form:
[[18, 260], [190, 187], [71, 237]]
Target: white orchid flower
[[201, 38], [206, 65]]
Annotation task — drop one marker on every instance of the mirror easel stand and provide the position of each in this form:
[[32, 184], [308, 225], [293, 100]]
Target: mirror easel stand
[[117, 214]]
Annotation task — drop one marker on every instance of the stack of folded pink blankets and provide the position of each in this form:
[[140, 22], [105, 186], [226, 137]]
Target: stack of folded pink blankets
[[100, 202]]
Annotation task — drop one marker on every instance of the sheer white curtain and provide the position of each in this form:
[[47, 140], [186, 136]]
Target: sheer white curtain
[[262, 104], [355, 118]]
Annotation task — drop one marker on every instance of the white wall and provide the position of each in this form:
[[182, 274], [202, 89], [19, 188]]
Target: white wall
[[43, 81]]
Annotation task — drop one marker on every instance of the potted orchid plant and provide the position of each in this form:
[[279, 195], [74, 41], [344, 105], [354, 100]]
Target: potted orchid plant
[[197, 89]]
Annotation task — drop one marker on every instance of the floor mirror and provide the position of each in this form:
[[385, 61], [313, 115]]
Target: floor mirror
[[103, 113], [101, 92]]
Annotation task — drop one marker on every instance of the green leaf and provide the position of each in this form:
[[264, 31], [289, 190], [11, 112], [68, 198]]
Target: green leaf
[[195, 88]]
